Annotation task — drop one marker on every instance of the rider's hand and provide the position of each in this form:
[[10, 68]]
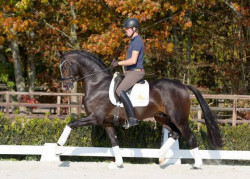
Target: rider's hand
[[114, 64]]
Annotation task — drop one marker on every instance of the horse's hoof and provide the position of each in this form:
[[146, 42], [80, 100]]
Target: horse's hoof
[[113, 165], [195, 168], [162, 161]]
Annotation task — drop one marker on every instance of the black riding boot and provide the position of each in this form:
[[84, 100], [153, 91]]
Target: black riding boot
[[132, 121]]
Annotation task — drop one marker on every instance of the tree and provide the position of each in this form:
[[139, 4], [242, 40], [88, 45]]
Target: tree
[[204, 41]]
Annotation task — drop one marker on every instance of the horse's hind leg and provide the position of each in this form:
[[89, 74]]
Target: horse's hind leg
[[188, 134], [164, 149], [115, 146], [175, 133]]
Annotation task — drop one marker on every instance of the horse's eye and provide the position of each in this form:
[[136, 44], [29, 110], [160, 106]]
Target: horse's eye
[[64, 67]]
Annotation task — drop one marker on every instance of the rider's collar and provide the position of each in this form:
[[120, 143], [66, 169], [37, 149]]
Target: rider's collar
[[134, 37]]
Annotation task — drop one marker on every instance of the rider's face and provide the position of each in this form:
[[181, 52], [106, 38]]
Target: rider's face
[[129, 31]]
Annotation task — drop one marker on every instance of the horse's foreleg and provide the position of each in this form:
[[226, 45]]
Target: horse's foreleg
[[115, 146], [62, 140], [197, 158], [64, 136], [89, 120]]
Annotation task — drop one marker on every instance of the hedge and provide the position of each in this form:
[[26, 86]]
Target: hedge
[[22, 131]]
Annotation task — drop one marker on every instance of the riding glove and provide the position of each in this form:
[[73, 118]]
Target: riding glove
[[114, 64]]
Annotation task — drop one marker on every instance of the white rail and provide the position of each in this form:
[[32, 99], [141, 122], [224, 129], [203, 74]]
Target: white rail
[[48, 152]]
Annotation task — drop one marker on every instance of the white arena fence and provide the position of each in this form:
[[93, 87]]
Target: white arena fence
[[48, 152]]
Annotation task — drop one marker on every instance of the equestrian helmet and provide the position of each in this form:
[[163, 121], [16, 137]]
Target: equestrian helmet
[[131, 22]]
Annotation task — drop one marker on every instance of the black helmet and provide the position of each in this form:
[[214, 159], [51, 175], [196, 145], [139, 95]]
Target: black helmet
[[131, 22]]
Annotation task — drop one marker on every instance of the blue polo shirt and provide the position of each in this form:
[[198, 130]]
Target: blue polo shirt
[[136, 44]]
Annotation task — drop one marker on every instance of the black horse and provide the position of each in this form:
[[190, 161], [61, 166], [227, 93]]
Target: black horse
[[169, 104]]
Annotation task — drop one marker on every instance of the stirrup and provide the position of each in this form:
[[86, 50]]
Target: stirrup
[[131, 122]]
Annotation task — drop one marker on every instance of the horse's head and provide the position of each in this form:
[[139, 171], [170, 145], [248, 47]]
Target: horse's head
[[78, 65], [68, 71]]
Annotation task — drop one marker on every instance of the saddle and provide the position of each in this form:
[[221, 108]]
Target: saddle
[[118, 79], [138, 94]]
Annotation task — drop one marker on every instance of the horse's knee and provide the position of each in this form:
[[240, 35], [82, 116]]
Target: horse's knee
[[73, 124], [86, 121]]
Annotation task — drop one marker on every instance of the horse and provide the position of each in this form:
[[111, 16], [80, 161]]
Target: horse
[[169, 104]]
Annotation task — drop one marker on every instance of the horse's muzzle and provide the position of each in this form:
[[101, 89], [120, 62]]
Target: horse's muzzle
[[67, 85]]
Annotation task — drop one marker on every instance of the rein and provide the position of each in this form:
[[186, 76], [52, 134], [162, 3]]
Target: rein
[[81, 78]]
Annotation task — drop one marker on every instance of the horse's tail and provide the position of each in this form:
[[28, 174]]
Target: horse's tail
[[214, 135]]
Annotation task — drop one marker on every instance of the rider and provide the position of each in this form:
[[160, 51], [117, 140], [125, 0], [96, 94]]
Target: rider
[[134, 68]]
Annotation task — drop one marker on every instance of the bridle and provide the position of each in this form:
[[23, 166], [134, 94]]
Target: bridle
[[73, 78], [70, 70]]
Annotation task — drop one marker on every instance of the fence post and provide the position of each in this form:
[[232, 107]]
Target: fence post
[[73, 100], [49, 152], [199, 115], [8, 103], [234, 111], [58, 102], [79, 109]]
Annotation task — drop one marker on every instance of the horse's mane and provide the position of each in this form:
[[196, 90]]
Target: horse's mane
[[87, 56]]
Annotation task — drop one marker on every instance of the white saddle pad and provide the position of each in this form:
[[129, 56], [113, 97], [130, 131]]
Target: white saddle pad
[[139, 95]]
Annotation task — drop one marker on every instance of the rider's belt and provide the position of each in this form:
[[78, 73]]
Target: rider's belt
[[137, 69]]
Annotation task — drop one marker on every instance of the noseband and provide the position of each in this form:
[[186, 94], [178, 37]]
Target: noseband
[[73, 78]]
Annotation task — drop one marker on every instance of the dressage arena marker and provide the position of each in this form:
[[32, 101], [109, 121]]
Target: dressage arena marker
[[174, 155]]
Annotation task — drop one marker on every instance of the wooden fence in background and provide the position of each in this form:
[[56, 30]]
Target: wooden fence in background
[[235, 104], [39, 109]]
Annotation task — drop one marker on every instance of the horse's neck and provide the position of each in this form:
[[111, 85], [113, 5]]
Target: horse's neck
[[98, 79], [93, 85]]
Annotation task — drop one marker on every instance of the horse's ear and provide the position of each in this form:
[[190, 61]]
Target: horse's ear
[[60, 54]]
